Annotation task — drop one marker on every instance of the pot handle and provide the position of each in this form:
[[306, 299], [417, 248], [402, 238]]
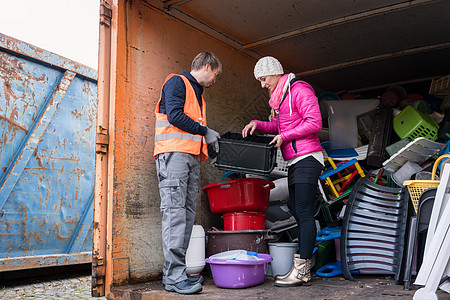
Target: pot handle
[[269, 235], [268, 185]]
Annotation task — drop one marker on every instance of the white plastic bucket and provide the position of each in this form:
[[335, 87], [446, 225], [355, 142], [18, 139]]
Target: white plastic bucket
[[283, 255], [195, 253]]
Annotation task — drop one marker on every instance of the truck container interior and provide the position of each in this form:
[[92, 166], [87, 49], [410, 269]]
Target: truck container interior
[[353, 49]]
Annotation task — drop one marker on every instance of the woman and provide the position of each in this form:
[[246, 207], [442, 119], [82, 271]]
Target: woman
[[296, 121]]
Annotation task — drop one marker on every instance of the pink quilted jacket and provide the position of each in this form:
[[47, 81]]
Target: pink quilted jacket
[[298, 122]]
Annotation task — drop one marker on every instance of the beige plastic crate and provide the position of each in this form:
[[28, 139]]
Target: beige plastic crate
[[440, 87]]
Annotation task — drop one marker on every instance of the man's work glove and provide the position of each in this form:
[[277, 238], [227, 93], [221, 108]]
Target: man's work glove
[[212, 153], [211, 136]]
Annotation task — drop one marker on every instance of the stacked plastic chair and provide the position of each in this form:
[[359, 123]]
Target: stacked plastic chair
[[418, 227], [373, 229]]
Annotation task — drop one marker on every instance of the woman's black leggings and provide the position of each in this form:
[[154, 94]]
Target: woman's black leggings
[[301, 204]]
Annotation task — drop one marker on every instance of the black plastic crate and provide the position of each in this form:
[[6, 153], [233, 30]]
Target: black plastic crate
[[252, 154]]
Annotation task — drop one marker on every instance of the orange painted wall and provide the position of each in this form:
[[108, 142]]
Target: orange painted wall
[[150, 46]]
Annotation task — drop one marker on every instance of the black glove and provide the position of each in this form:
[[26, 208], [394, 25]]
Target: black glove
[[212, 153]]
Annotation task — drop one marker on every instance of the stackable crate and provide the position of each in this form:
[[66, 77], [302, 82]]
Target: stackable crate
[[440, 87], [252, 154], [411, 123]]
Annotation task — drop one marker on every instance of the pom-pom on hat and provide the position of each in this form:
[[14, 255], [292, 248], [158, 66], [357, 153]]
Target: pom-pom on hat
[[268, 65]]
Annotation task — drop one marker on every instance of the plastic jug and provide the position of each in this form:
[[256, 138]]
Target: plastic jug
[[195, 253]]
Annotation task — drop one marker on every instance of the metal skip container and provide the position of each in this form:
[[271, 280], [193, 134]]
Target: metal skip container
[[47, 158]]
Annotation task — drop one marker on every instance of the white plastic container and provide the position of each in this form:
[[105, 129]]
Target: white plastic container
[[283, 256], [195, 253], [342, 120]]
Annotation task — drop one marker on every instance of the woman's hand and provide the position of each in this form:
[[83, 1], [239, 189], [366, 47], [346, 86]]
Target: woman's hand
[[277, 140], [250, 126]]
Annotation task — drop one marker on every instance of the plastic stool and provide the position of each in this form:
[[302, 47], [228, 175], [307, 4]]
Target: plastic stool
[[346, 179], [340, 170], [328, 233], [332, 269]]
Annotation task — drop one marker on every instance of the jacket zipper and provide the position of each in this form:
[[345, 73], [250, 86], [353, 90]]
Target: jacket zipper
[[294, 146]]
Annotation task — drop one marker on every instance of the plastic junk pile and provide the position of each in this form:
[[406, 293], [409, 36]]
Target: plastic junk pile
[[382, 154]]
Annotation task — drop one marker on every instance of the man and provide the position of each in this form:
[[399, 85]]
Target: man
[[181, 138]]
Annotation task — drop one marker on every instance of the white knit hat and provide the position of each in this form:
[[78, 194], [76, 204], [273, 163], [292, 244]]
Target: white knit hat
[[268, 65]]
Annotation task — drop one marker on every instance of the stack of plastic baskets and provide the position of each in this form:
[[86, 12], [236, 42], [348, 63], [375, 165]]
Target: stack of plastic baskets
[[411, 123], [417, 187]]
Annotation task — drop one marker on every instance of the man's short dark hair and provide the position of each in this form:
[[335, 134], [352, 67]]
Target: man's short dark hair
[[206, 58]]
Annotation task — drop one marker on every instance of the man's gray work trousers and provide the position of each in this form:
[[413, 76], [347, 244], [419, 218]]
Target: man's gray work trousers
[[178, 175]]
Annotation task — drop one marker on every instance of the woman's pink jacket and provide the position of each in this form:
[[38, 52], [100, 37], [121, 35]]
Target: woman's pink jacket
[[298, 122]]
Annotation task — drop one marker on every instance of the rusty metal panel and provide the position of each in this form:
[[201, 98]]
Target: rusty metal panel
[[47, 155]]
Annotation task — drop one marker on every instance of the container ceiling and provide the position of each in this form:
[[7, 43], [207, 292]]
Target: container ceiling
[[334, 44]]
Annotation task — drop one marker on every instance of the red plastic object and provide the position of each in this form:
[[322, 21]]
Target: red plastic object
[[239, 194], [244, 220]]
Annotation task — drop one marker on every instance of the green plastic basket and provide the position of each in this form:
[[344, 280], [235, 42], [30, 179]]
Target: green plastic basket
[[411, 123]]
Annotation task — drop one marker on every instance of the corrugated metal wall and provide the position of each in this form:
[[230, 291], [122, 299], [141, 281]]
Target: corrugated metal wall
[[47, 156]]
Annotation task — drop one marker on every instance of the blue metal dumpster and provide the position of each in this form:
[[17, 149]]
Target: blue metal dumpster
[[48, 108]]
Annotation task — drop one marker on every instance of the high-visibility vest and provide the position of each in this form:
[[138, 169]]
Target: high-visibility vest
[[169, 138]]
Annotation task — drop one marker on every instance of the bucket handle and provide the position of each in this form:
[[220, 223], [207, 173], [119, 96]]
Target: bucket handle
[[224, 186], [268, 185], [436, 163]]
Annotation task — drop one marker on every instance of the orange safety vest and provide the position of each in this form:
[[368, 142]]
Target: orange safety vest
[[169, 138]]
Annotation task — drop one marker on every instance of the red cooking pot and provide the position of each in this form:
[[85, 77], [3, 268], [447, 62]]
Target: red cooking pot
[[239, 194]]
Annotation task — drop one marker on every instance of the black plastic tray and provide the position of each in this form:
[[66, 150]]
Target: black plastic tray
[[252, 154]]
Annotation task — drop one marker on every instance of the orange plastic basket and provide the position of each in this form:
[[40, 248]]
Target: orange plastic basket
[[417, 187]]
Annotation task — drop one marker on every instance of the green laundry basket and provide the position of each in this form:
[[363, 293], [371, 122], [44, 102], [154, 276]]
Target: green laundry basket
[[411, 123]]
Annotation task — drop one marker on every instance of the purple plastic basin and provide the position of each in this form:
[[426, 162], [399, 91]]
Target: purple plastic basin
[[236, 274]]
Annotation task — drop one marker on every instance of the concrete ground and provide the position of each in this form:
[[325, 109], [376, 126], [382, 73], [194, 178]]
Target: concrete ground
[[365, 287], [75, 284]]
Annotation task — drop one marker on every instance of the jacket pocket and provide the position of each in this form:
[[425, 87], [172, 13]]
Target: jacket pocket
[[294, 146], [171, 195]]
